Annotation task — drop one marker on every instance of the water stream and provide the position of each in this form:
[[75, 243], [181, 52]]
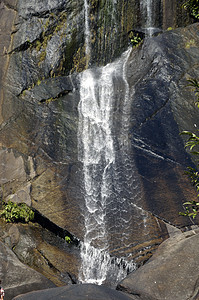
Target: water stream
[[148, 23], [97, 153], [87, 31], [109, 178]]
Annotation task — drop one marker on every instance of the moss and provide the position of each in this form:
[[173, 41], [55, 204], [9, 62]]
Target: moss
[[61, 22], [131, 15], [73, 56], [38, 45], [190, 43], [45, 26], [52, 26], [42, 57], [38, 82], [79, 60], [102, 3]]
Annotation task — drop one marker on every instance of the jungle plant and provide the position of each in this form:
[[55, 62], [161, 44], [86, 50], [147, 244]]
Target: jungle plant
[[68, 239], [135, 40], [12, 212], [135, 37], [192, 207], [193, 7]]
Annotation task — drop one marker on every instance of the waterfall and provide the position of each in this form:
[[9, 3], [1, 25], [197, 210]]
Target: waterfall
[[97, 154], [147, 8], [106, 212], [87, 31]]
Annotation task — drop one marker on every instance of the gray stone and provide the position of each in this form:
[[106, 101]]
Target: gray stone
[[77, 292], [41, 48], [171, 274], [43, 251], [18, 278]]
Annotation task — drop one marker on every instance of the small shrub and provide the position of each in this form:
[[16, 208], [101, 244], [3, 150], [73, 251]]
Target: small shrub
[[192, 143], [135, 40], [68, 239], [193, 7], [13, 212], [191, 209]]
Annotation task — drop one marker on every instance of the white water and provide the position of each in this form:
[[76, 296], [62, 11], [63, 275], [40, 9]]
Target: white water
[[87, 31], [147, 16], [96, 143], [97, 154]]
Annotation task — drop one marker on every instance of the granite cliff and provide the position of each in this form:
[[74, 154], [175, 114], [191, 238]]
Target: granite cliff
[[43, 54]]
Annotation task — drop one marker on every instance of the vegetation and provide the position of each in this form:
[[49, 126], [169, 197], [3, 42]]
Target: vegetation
[[192, 143], [135, 38], [13, 212], [193, 7], [68, 239]]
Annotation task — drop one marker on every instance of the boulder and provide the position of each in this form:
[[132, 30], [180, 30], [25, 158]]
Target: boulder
[[171, 274], [16, 277], [77, 292], [43, 251], [42, 46]]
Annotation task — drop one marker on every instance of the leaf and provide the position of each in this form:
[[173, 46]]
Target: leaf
[[195, 152], [182, 214], [185, 203], [186, 132]]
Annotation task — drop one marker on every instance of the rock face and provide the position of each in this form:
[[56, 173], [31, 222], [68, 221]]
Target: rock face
[[172, 273], [42, 49], [157, 74], [42, 251], [77, 292], [158, 115], [18, 278]]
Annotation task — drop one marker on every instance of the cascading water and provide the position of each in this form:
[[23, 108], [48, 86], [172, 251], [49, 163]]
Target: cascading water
[[97, 153], [148, 20], [87, 32], [108, 170], [146, 9]]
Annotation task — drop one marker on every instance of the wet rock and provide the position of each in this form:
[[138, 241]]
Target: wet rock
[[159, 115], [42, 251], [41, 43], [77, 292], [18, 278], [172, 272]]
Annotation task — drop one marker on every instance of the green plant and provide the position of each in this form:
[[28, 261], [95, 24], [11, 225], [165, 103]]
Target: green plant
[[190, 43], [68, 239], [13, 212], [38, 82], [193, 7], [192, 207], [192, 143], [135, 40], [195, 87]]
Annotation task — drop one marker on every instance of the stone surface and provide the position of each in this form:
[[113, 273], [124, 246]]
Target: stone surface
[[158, 116], [77, 292], [18, 278], [42, 48], [171, 274], [43, 251]]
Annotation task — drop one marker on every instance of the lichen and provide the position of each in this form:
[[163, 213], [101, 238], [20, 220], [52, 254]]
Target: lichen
[[79, 60], [190, 43], [54, 25]]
